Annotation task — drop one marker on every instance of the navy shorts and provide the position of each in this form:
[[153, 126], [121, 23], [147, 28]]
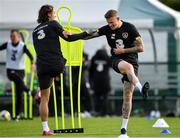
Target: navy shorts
[[46, 74]]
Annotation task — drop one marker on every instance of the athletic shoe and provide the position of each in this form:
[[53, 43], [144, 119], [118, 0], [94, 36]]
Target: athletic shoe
[[145, 90], [48, 133], [123, 133]]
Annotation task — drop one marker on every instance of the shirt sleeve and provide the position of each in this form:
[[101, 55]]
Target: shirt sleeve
[[133, 32], [3, 46], [28, 54], [102, 31], [59, 30]]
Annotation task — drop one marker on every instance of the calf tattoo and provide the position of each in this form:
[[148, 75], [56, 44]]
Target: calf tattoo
[[130, 78], [127, 99], [126, 110]]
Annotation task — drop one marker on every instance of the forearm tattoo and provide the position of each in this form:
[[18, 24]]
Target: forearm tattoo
[[138, 46]]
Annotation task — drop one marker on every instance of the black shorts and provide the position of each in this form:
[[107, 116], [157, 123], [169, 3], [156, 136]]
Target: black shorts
[[13, 74], [46, 74], [115, 62]]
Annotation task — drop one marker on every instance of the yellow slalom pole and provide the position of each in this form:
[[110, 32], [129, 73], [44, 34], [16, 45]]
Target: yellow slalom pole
[[55, 106], [79, 96], [25, 101], [70, 67], [62, 102], [71, 96], [13, 100], [25, 105], [70, 71], [27, 37], [30, 96]]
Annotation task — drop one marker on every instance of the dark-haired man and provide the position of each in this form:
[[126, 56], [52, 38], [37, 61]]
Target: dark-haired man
[[50, 61]]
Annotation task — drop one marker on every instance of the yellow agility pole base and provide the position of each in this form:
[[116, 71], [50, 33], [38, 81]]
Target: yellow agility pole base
[[73, 52], [73, 130]]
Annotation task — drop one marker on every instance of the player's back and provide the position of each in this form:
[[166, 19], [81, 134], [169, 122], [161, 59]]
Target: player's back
[[46, 43]]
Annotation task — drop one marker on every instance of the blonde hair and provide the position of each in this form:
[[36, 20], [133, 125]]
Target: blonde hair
[[111, 13]]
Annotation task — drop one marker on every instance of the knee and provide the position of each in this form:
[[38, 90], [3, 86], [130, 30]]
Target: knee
[[129, 68]]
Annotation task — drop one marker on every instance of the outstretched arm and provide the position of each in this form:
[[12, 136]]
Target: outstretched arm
[[3, 46], [138, 47], [73, 37], [84, 35], [91, 35]]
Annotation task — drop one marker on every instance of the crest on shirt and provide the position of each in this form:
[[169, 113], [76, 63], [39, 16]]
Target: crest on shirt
[[125, 35], [113, 36]]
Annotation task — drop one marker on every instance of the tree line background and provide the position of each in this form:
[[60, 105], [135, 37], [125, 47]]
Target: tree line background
[[175, 4]]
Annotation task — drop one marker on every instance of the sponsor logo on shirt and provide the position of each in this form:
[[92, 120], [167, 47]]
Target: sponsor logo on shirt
[[113, 36]]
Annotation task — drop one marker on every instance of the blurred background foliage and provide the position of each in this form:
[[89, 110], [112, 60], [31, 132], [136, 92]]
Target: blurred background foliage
[[175, 4]]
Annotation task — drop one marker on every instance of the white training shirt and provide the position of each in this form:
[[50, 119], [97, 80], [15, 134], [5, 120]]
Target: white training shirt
[[15, 58]]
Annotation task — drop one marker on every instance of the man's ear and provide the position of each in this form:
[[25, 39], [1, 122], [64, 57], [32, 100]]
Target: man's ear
[[118, 18]]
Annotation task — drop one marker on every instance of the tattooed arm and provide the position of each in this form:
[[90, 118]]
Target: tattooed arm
[[138, 47], [91, 35]]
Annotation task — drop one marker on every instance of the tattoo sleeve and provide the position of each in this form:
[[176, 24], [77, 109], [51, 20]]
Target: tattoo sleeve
[[138, 46]]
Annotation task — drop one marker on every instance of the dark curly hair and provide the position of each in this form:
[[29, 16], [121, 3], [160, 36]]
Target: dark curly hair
[[43, 13]]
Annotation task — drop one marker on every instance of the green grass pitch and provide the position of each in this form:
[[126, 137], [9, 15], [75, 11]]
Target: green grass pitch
[[94, 127]]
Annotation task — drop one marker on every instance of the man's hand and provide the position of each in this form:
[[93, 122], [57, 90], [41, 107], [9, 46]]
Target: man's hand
[[118, 51], [66, 33]]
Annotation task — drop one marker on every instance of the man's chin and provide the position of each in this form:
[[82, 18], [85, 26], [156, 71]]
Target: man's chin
[[113, 28]]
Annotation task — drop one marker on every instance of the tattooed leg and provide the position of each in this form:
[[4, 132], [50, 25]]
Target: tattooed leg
[[127, 104], [127, 99]]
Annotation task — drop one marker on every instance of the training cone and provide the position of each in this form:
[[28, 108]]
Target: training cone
[[165, 131], [160, 123]]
